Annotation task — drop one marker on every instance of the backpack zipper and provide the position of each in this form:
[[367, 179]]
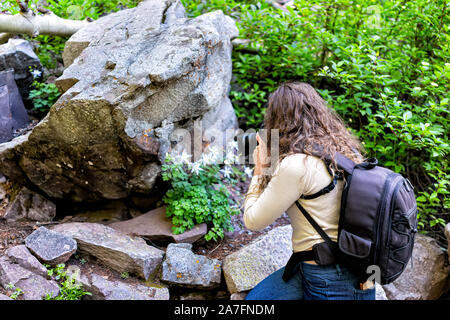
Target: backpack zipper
[[391, 213], [380, 218]]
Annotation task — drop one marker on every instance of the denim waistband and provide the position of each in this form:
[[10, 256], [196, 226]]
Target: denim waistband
[[333, 268]]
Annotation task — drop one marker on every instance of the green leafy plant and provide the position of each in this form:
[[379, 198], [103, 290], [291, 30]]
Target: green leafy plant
[[17, 291], [383, 66], [125, 275], [69, 289], [43, 95], [198, 193]]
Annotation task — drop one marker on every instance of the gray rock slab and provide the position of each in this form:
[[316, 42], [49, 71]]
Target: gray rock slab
[[154, 225], [36, 287], [246, 267], [50, 246], [103, 289], [116, 250], [13, 115], [11, 273], [20, 255]]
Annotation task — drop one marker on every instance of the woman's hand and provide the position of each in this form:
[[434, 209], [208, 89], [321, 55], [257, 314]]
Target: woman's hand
[[259, 155]]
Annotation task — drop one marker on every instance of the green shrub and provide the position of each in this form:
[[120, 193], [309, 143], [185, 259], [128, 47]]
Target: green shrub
[[383, 65], [197, 192], [44, 95]]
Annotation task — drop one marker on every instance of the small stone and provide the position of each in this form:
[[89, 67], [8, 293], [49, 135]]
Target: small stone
[[182, 267], [50, 246], [238, 296]]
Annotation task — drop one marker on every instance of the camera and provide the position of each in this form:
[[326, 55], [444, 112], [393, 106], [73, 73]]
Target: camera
[[246, 144]]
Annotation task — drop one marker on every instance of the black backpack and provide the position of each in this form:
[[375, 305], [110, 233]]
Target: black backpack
[[377, 223]]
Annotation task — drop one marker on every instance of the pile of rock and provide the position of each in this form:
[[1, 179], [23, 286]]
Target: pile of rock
[[177, 267]]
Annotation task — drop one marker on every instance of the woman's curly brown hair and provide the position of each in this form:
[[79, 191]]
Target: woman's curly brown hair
[[304, 122]]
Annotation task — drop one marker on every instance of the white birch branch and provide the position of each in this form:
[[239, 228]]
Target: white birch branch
[[34, 25]]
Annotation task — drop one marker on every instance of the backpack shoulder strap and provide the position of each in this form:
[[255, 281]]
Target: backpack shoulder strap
[[323, 191], [342, 161]]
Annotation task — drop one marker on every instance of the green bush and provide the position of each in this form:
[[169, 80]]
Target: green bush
[[197, 192], [44, 95], [382, 65]]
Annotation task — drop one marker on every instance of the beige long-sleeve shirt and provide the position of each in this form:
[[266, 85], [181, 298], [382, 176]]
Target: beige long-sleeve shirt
[[296, 175]]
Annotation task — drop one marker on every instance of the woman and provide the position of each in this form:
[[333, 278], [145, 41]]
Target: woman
[[304, 122]]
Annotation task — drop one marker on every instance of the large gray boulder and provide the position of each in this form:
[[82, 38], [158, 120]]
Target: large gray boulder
[[114, 249], [245, 268], [13, 115], [428, 276], [145, 73], [17, 54]]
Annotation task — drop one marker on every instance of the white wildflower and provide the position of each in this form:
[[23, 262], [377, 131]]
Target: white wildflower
[[230, 158], [215, 153], [36, 73], [226, 172], [207, 159], [196, 168], [248, 171], [185, 157]]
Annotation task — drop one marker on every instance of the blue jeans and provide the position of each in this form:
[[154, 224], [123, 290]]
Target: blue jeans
[[312, 282]]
